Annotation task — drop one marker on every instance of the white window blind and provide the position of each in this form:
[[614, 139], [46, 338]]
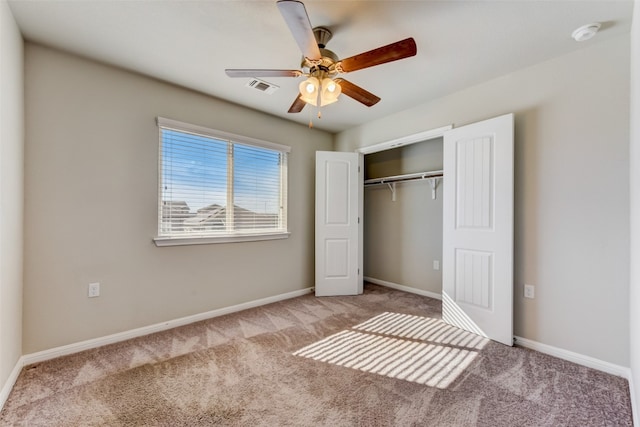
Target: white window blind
[[214, 184]]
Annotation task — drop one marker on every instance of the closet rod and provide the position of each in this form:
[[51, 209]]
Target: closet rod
[[405, 177], [432, 176]]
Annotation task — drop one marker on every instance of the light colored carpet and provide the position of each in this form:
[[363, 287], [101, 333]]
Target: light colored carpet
[[380, 359]]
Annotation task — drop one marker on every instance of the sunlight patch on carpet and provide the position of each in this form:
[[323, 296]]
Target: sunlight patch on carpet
[[412, 348], [422, 328]]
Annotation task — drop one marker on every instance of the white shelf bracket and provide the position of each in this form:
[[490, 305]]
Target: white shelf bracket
[[434, 185], [392, 187]]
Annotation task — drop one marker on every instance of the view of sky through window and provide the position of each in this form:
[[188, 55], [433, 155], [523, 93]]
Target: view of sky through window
[[195, 171], [256, 179]]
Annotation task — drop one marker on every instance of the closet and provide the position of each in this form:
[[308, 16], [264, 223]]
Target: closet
[[451, 240], [403, 217]]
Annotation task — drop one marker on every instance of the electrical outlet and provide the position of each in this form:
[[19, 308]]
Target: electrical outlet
[[436, 264], [94, 290], [529, 291]]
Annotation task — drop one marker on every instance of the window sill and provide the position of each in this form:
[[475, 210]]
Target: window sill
[[182, 241]]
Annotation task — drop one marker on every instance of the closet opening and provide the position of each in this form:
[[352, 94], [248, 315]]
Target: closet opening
[[402, 233]]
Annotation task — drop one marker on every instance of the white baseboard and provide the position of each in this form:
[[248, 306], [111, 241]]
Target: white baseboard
[[8, 385], [403, 288], [65, 350], [580, 359]]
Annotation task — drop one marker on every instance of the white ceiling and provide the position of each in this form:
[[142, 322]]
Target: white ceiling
[[190, 43]]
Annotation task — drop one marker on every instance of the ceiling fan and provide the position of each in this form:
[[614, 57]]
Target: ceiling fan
[[322, 65]]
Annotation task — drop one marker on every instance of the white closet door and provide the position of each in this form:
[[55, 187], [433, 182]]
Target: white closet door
[[477, 260], [338, 232]]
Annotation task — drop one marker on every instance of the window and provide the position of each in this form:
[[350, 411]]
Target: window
[[217, 187]]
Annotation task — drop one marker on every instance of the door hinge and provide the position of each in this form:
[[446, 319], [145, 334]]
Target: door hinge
[[358, 271], [358, 169], [358, 220]]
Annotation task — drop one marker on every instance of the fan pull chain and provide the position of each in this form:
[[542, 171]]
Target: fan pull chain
[[311, 119], [319, 101]]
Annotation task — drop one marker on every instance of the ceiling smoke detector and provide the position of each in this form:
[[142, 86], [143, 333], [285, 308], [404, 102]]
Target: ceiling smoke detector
[[585, 32]]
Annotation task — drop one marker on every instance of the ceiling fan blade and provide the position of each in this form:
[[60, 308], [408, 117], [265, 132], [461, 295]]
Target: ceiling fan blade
[[297, 105], [357, 93], [391, 52], [295, 15], [242, 72]]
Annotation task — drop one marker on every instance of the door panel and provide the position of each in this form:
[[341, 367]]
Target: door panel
[[337, 256], [336, 194], [475, 182], [474, 278], [338, 189], [477, 276]]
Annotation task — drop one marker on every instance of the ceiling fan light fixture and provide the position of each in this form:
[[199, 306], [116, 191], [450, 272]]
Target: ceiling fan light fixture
[[330, 92], [313, 91], [311, 85], [309, 90], [330, 85]]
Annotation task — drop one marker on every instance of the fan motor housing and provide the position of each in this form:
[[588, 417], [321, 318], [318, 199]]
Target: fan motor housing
[[327, 60]]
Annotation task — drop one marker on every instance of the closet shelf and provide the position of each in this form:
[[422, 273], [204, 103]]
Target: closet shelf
[[433, 177]]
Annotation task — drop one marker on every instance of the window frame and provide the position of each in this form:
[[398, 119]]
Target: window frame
[[236, 236]]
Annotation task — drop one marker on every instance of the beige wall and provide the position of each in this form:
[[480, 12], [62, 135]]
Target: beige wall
[[11, 191], [635, 207], [403, 238], [91, 205], [571, 190]]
